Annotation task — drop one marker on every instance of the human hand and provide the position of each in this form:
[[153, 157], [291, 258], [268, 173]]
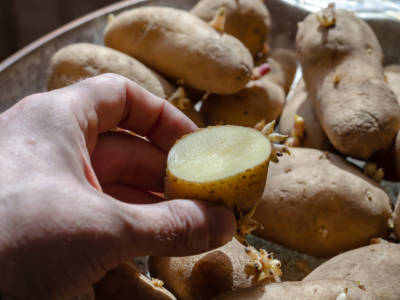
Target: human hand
[[61, 227]]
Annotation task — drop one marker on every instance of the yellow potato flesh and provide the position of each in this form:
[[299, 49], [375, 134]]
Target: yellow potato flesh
[[225, 164]]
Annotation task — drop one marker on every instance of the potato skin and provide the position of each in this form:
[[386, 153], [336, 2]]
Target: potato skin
[[206, 275], [79, 61], [247, 20], [376, 267], [125, 282], [288, 62], [185, 105], [239, 192], [283, 66], [343, 73], [390, 160], [317, 203], [194, 115], [182, 47], [392, 74], [300, 103], [261, 99], [298, 290]]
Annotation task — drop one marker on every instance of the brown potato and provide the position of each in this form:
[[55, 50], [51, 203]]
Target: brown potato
[[300, 103], [390, 160], [206, 275], [283, 66], [181, 101], [392, 73], [261, 99], [126, 282], [247, 20], [181, 46], [193, 115], [317, 203], [375, 267], [79, 61], [312, 290], [343, 73]]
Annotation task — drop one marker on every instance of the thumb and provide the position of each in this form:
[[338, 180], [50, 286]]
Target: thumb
[[174, 228]]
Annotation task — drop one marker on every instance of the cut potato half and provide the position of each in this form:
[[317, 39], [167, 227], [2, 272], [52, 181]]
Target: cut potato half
[[224, 164]]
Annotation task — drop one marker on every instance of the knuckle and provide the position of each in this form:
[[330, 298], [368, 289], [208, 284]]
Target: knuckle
[[186, 225], [110, 78]]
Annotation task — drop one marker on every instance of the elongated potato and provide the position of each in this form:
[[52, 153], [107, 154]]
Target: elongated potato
[[283, 67], [375, 267], [390, 160], [312, 290], [341, 60], [79, 61], [300, 103], [126, 282], [247, 20], [209, 274], [183, 47], [288, 62], [261, 99], [392, 73], [317, 203], [225, 164]]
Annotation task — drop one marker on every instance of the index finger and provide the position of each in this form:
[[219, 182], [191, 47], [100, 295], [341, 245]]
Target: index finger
[[106, 101]]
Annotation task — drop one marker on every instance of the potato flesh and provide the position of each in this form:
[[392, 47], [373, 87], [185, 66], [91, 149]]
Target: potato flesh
[[218, 152], [239, 186]]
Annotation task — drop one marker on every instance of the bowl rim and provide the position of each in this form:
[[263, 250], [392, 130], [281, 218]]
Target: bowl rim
[[36, 44]]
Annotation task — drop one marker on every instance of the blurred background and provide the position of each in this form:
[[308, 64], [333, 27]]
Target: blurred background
[[23, 21], [389, 8]]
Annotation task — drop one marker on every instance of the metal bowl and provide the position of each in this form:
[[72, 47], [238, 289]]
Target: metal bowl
[[25, 72]]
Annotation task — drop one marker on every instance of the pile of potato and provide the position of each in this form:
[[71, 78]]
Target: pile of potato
[[214, 64]]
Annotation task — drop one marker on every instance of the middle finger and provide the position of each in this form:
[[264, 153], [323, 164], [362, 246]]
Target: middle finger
[[130, 160]]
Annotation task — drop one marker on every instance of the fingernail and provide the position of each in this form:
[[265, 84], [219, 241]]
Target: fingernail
[[222, 225]]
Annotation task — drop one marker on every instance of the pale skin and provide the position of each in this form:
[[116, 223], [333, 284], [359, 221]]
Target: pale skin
[[74, 198]]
